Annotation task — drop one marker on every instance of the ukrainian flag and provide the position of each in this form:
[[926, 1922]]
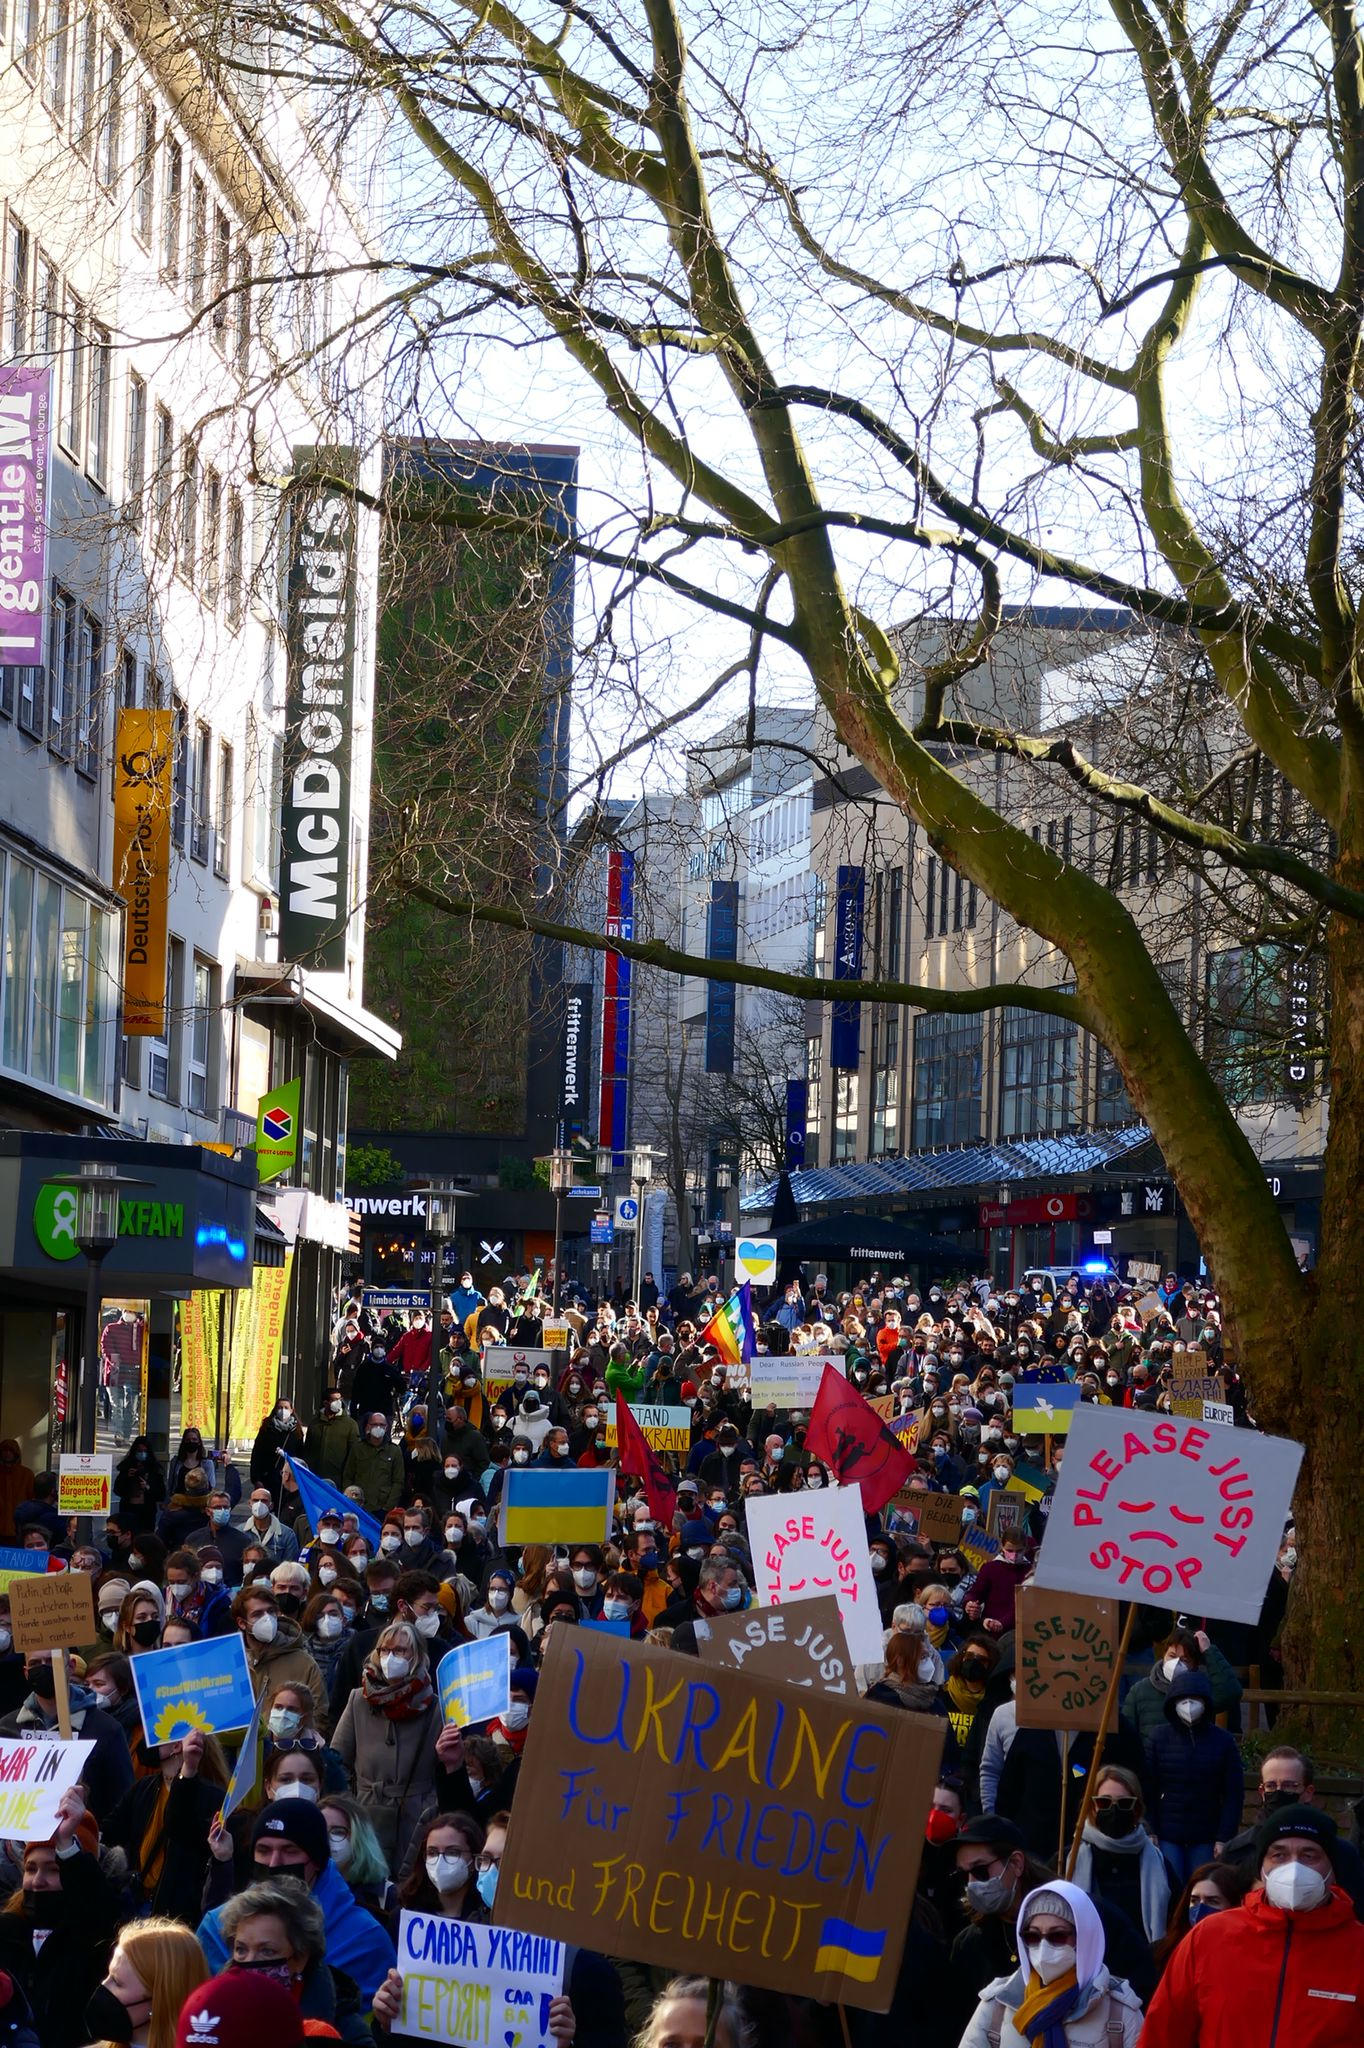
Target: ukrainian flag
[[1044, 1410], [539, 1506], [850, 1951]]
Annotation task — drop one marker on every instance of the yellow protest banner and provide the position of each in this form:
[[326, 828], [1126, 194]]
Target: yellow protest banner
[[144, 743], [200, 1327], [257, 1335]]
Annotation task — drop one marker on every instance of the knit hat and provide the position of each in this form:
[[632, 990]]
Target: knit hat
[[523, 1679], [696, 1535], [297, 1821], [239, 2009], [1308, 1821], [209, 1553]]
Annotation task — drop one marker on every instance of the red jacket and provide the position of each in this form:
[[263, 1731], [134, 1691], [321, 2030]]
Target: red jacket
[[412, 1351], [1255, 1977]]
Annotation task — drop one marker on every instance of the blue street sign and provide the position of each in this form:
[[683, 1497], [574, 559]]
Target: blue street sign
[[584, 1194]]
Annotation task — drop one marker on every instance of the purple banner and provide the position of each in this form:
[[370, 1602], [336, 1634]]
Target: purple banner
[[25, 422]]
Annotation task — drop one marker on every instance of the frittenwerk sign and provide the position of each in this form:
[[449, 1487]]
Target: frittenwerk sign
[[577, 1056], [320, 615]]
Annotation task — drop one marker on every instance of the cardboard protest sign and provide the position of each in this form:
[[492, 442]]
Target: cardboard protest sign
[[33, 1777], [800, 1645], [557, 1333], [204, 1685], [13, 1561], [818, 1546], [977, 1546], [939, 1516], [85, 1483], [1168, 1511], [790, 1382], [665, 1429], [1063, 1656], [700, 1819], [1004, 1512], [474, 1680], [52, 1610], [480, 1987], [906, 1510], [500, 1362]]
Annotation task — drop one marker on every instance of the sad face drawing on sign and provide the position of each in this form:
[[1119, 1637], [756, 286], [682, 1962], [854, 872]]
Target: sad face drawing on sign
[[1168, 1510], [802, 1559]]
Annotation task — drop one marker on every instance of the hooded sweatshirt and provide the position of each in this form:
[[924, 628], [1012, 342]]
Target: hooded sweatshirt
[[1195, 1770]]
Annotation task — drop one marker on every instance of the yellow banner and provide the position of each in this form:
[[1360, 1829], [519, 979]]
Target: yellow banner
[[200, 1323], [257, 1336], [144, 742]]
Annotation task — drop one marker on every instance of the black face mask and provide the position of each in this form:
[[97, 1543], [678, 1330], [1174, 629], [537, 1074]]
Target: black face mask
[[1273, 1801], [1115, 1824], [267, 1873], [45, 1909], [289, 1603], [43, 1682], [107, 2018], [145, 1633]]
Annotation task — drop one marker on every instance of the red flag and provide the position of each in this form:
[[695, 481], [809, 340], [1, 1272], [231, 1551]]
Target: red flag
[[852, 1440], [635, 1458]]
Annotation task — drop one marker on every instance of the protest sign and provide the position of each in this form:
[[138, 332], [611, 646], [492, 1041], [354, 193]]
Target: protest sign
[[906, 1510], [790, 1382], [800, 1645], [1043, 1408], [1063, 1655], [479, 1987], [1167, 1511], [474, 1680], [939, 1516], [500, 1363], [819, 1546], [977, 1547], [1219, 1411], [52, 1610], [204, 1685], [697, 1818], [26, 1561], [85, 1483], [1005, 1512], [34, 1775], [557, 1332], [573, 1506], [665, 1429]]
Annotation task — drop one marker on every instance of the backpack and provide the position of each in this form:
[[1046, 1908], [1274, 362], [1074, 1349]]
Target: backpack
[[994, 2026]]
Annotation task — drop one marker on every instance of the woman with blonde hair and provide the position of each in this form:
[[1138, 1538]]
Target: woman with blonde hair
[[537, 1560], [141, 1619], [387, 1738], [680, 2017], [154, 1968]]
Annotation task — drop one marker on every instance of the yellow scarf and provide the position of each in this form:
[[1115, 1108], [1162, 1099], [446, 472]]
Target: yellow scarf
[[1038, 1997]]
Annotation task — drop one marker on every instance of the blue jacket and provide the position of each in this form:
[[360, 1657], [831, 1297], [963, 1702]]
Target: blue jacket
[[356, 1943], [1195, 1771]]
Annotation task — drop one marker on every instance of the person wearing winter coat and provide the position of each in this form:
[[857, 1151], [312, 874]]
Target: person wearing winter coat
[[1061, 1995], [108, 1771], [57, 1930], [1286, 1969], [387, 1734], [377, 1466], [161, 1824], [279, 1437], [331, 1441], [279, 1544], [1144, 1708], [1118, 1860], [1194, 1768], [275, 1652], [16, 1484]]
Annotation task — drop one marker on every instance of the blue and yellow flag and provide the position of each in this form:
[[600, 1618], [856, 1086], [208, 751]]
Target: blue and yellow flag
[[852, 1951], [539, 1506], [1043, 1408]]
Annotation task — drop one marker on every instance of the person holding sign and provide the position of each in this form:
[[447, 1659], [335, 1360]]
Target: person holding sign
[[162, 1823], [57, 1930], [387, 1736], [1061, 1994]]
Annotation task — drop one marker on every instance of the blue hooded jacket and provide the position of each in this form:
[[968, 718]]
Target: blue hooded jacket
[[356, 1943], [1195, 1771]]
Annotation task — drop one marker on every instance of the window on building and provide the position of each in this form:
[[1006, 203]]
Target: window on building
[[57, 56], [1037, 1073], [180, 769], [144, 176], [813, 1099], [165, 1054], [129, 690], [946, 1080], [198, 255], [9, 684], [30, 700], [109, 148], [84, 82], [211, 539], [1247, 996], [885, 1083], [895, 913], [243, 297], [101, 395], [930, 896], [234, 569], [135, 450], [819, 917], [48, 340], [163, 480], [87, 707], [18, 252], [200, 1081], [187, 525], [62, 669], [172, 208], [203, 793], [30, 36], [72, 413], [221, 321], [845, 1116], [222, 817]]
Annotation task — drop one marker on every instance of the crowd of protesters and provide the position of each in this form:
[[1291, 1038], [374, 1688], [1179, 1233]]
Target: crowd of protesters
[[1202, 1907]]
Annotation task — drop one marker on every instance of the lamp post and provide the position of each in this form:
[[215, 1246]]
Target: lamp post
[[641, 1173], [438, 1208], [560, 1181], [89, 1208]]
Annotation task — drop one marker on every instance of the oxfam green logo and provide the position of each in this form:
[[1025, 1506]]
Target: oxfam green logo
[[54, 1220]]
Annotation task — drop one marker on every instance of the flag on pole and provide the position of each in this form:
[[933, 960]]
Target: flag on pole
[[730, 1329], [634, 1457], [857, 1446], [540, 1506], [245, 1770], [320, 1497]]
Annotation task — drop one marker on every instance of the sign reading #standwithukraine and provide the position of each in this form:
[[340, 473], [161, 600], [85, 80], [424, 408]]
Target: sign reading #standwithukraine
[[540, 1506], [474, 1680], [699, 1818], [202, 1685]]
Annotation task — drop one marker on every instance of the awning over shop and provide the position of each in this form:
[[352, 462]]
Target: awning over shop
[[961, 1171], [271, 1243], [882, 1239]]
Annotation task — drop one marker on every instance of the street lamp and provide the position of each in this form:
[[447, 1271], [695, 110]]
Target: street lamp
[[641, 1173], [92, 1213], [438, 1210], [606, 1160], [560, 1181]]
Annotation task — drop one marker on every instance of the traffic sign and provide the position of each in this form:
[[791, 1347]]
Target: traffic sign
[[603, 1230], [584, 1194], [627, 1211]]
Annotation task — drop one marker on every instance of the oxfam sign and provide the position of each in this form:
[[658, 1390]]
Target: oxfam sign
[[56, 1208]]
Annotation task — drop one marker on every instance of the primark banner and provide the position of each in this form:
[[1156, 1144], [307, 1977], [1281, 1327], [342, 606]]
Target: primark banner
[[320, 624]]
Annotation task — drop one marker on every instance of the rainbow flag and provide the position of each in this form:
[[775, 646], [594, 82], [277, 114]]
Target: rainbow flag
[[730, 1329], [540, 1506]]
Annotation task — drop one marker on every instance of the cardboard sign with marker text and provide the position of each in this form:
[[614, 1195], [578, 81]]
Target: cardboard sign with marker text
[[811, 1543], [940, 1517], [52, 1610], [698, 1819], [1063, 1655], [800, 1645]]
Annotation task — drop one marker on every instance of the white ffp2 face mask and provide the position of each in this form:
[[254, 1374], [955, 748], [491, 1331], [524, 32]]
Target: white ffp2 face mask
[[1049, 1960], [1294, 1888]]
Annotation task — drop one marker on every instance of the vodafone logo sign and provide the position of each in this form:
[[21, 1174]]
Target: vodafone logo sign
[[1055, 1207]]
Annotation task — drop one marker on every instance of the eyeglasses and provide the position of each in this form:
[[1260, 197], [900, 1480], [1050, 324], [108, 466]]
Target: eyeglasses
[[486, 1862], [979, 1871], [1105, 1803]]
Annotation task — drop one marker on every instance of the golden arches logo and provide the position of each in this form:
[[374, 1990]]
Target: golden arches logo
[[178, 1719]]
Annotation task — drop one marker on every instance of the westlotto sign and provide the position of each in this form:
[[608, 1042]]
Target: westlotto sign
[[320, 619]]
